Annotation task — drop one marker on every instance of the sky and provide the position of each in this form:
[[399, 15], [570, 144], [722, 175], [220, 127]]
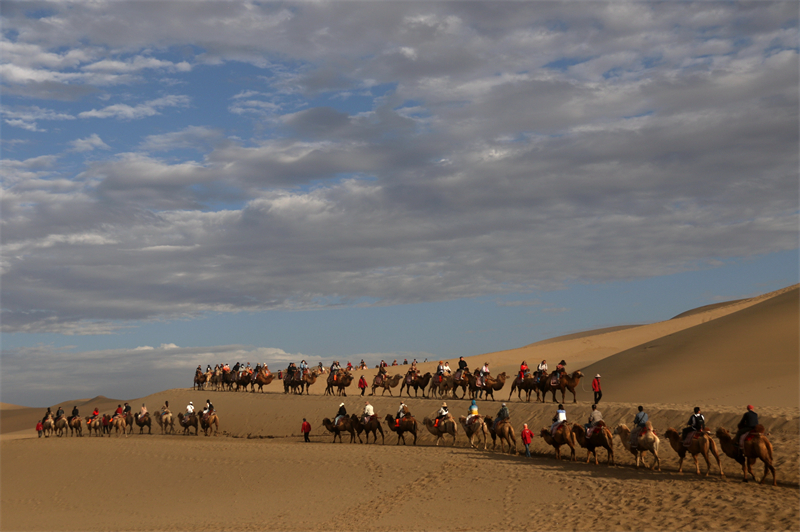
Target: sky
[[188, 183]]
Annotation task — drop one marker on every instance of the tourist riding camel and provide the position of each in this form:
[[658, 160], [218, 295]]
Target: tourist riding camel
[[523, 370], [190, 409], [594, 418], [748, 423], [502, 414], [401, 412], [560, 417], [368, 412], [639, 422], [462, 367], [59, 413], [483, 374], [340, 414], [696, 423], [75, 413], [142, 411], [542, 367], [442, 414]]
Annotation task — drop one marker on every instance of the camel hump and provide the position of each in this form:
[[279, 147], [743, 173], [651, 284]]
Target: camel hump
[[759, 429]]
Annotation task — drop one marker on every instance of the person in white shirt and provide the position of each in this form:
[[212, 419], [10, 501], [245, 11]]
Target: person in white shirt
[[143, 411], [561, 416], [542, 367], [368, 411], [400, 410], [446, 368], [190, 408]]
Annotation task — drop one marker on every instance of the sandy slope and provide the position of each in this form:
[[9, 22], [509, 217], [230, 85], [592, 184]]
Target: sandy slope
[[257, 474]]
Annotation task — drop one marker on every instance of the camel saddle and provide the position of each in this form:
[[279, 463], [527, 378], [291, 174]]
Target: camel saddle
[[557, 427], [591, 430], [472, 418], [409, 378], [554, 379], [367, 419], [694, 435]]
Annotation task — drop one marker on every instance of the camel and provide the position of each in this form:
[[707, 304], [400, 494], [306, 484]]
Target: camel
[[95, 424], [262, 379], [227, 380], [60, 426], [129, 421], [528, 385], [647, 441], [188, 421], [563, 436], [406, 424], [48, 426], [345, 424], [165, 421], [209, 420], [107, 424], [120, 425], [601, 437], [341, 380], [700, 444], [492, 384], [243, 380], [446, 426], [142, 422], [756, 447], [76, 425], [372, 426], [200, 379], [477, 425], [303, 382], [387, 383], [417, 382], [565, 382], [504, 431]]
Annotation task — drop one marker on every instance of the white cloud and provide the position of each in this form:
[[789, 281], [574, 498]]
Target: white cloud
[[89, 143], [128, 112]]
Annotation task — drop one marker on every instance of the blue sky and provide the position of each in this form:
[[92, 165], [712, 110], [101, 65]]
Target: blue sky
[[371, 180]]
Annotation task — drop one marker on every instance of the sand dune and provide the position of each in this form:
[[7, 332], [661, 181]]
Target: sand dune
[[257, 474], [751, 356]]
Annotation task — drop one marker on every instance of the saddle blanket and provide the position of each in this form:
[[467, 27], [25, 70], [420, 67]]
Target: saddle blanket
[[590, 431], [695, 434], [555, 427]]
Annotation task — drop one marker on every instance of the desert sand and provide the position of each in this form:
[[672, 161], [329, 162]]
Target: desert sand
[[258, 474]]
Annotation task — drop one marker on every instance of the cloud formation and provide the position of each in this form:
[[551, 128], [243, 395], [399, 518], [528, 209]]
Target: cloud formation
[[374, 154]]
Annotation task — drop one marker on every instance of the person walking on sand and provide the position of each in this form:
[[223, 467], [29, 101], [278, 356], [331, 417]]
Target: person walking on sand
[[362, 383], [598, 394], [527, 438], [305, 428], [39, 428]]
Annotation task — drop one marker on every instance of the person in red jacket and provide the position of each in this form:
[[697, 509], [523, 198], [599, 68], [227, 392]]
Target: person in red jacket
[[523, 369], [362, 383], [527, 438], [596, 388], [306, 428], [39, 428]]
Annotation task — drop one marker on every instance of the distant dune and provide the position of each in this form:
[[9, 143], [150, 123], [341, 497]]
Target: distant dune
[[750, 356]]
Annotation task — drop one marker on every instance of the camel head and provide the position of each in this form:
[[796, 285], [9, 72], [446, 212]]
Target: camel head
[[621, 429], [672, 434], [723, 434]]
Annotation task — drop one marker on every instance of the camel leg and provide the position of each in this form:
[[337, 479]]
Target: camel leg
[[769, 467], [697, 464], [680, 464]]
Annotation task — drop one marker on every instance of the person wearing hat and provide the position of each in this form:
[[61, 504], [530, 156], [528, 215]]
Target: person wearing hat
[[598, 393], [190, 409], [502, 414], [749, 422], [368, 411], [341, 413], [443, 413]]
